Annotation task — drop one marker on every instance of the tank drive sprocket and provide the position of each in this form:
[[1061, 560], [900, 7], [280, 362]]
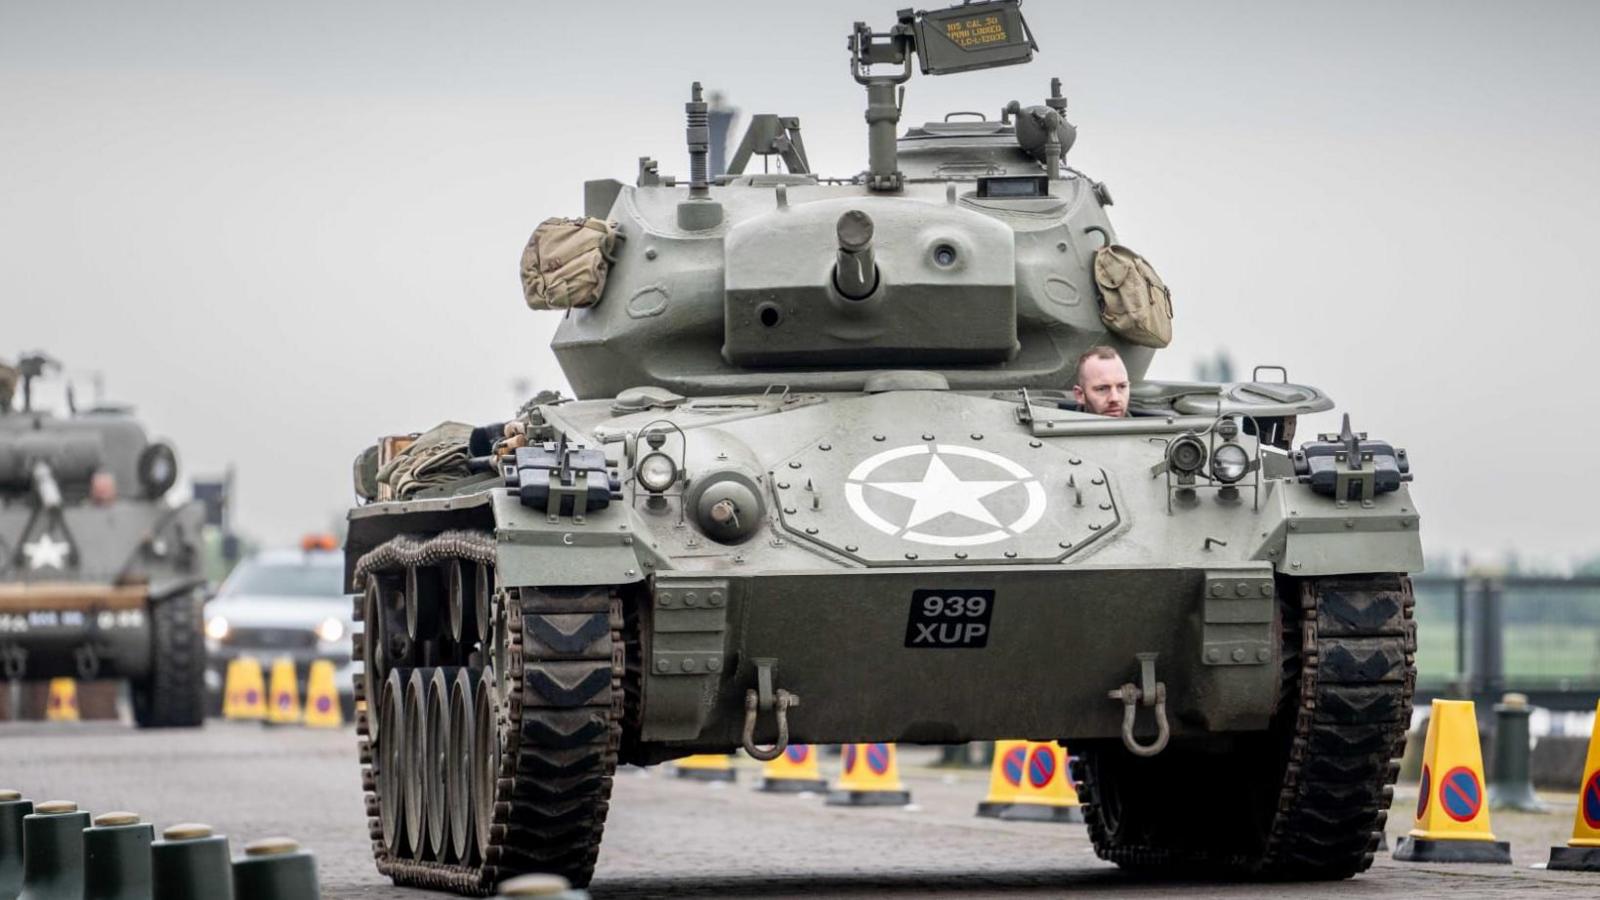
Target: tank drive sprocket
[[546, 739], [172, 695], [1309, 799]]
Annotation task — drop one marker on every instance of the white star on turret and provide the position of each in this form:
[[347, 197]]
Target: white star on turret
[[940, 492], [46, 551]]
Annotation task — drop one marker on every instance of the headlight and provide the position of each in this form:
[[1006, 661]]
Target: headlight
[[1186, 455], [330, 631], [216, 628], [1229, 463], [656, 472]]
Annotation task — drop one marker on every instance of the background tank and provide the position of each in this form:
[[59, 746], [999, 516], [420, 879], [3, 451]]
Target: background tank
[[99, 573], [824, 482]]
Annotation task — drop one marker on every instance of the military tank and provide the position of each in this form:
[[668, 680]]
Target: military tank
[[99, 573], [826, 480]]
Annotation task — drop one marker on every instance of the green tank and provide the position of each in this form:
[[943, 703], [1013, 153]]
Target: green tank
[[100, 574], [825, 481]]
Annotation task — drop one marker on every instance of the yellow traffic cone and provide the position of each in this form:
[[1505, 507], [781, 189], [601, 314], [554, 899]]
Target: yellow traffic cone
[[1005, 777], [794, 771], [284, 705], [322, 697], [1046, 793], [63, 703], [244, 691], [706, 767], [1582, 853], [1452, 820], [871, 777]]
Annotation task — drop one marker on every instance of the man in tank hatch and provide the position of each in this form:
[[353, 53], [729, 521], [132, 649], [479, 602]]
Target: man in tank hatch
[[1102, 386]]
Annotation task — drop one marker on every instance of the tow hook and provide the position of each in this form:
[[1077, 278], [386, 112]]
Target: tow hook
[[1149, 692], [762, 698]]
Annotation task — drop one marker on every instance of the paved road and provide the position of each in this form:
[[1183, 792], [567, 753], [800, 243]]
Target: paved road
[[672, 838]]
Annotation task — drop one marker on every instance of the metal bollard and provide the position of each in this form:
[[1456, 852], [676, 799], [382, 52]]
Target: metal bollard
[[116, 857], [190, 863], [12, 810], [551, 886], [52, 844], [275, 869], [1512, 785]]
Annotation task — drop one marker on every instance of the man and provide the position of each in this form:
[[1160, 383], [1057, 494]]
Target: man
[[1102, 386]]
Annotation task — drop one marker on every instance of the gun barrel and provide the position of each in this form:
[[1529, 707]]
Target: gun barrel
[[855, 272]]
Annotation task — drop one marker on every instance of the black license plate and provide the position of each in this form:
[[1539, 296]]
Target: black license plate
[[949, 619]]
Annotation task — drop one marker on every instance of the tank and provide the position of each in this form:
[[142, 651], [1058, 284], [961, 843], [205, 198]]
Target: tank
[[100, 573], [826, 480]]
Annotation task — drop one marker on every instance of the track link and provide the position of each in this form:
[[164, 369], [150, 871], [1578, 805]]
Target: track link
[[559, 724], [1350, 672]]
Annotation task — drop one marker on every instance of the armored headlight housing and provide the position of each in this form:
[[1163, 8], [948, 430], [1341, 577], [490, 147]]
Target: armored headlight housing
[[1229, 463], [1186, 455], [216, 628], [656, 472]]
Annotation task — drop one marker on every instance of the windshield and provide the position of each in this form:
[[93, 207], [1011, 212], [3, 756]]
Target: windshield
[[314, 577]]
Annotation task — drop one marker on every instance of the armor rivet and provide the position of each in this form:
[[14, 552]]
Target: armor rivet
[[713, 665], [783, 485], [1097, 480], [662, 665], [1036, 444], [850, 548], [690, 598], [1075, 461], [961, 554], [716, 598], [1243, 590], [911, 556], [1217, 589], [688, 665], [1212, 655], [795, 464], [1349, 523], [1266, 590], [877, 437], [1238, 654], [665, 599], [649, 253], [1094, 526], [1064, 545], [977, 436], [824, 447], [1294, 526], [811, 531], [1295, 564], [1263, 654], [927, 437]]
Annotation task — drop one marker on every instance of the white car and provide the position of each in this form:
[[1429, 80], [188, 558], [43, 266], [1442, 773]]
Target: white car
[[284, 603]]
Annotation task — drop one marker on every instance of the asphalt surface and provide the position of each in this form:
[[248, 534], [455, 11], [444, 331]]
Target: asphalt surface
[[668, 837]]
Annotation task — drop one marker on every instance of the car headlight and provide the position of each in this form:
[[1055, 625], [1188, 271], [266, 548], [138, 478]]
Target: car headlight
[[330, 631], [656, 472], [216, 628], [1229, 463]]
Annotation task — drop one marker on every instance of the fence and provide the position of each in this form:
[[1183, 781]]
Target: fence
[[1478, 637]]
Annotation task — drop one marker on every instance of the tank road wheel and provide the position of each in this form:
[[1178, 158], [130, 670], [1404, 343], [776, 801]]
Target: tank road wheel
[[479, 778], [172, 695], [1306, 800]]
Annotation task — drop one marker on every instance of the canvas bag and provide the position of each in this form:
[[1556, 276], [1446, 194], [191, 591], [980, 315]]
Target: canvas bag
[[1134, 301], [564, 265]]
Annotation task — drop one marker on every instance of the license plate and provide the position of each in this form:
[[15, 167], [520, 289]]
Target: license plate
[[949, 619]]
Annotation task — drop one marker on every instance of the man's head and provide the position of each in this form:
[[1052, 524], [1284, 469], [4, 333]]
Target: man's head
[[1102, 386]]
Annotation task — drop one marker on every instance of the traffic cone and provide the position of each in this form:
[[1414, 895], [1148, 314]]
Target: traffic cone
[[706, 767], [322, 697], [284, 708], [275, 869], [794, 771], [245, 690], [1582, 853], [63, 703], [1452, 820], [871, 777], [1046, 793], [1005, 777]]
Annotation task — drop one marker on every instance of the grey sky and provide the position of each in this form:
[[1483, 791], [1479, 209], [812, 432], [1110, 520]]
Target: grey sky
[[285, 229]]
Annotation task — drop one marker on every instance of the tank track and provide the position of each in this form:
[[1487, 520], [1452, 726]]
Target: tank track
[[1349, 674], [558, 725]]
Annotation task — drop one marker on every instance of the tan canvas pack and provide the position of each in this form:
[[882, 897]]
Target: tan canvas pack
[[564, 265], [1134, 302]]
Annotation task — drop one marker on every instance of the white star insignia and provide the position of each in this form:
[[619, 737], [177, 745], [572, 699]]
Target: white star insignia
[[45, 552], [940, 492]]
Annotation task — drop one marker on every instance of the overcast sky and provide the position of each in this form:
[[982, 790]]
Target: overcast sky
[[282, 229]]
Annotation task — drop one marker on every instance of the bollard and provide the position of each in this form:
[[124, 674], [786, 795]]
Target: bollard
[[116, 858], [1512, 787], [12, 810], [552, 886], [190, 863], [275, 869], [52, 845]]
